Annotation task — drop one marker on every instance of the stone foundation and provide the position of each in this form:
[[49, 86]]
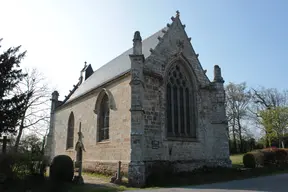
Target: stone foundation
[[136, 174], [187, 166], [105, 168], [139, 172]]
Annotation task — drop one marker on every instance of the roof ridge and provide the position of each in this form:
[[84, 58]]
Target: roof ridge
[[111, 69], [161, 30]]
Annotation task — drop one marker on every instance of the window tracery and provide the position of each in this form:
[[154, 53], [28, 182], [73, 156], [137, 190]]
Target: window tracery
[[180, 105]]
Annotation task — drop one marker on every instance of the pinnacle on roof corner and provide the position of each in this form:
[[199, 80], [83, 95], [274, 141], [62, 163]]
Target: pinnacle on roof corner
[[137, 36]]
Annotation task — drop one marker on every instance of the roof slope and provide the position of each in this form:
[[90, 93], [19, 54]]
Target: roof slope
[[116, 67]]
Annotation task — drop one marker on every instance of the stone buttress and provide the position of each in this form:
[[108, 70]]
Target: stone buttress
[[136, 170]]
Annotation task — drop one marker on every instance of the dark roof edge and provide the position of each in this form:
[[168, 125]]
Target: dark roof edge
[[91, 90]]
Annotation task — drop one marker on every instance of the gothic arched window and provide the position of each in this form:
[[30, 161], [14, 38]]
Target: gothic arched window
[[70, 132], [103, 119], [180, 103]]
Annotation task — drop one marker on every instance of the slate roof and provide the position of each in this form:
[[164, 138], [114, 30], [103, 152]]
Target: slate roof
[[115, 68]]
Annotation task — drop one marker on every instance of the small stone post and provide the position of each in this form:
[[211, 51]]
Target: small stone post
[[119, 177], [4, 146]]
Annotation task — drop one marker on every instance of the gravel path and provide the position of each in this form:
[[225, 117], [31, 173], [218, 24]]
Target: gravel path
[[276, 183]]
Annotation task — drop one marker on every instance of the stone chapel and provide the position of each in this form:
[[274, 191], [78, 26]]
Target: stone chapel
[[151, 105]]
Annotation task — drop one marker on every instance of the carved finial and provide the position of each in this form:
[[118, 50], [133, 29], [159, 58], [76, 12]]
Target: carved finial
[[184, 26], [177, 14], [55, 95], [189, 39], [172, 18], [197, 55], [168, 25], [137, 43], [85, 63], [205, 71], [217, 74], [137, 36]]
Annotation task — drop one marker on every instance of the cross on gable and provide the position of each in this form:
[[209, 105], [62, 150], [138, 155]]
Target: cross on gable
[[4, 141], [177, 13]]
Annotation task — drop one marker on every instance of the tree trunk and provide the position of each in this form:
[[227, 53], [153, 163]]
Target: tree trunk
[[234, 135], [240, 134], [266, 139], [16, 146], [282, 140], [279, 140]]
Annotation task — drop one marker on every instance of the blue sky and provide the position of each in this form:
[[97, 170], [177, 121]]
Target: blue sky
[[248, 39]]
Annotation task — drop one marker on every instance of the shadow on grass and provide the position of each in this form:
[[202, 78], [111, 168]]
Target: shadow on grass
[[45, 185]]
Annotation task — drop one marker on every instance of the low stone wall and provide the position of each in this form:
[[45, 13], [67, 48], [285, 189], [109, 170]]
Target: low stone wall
[[106, 168]]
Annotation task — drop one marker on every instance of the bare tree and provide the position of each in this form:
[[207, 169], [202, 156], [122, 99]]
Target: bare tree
[[237, 100], [36, 105]]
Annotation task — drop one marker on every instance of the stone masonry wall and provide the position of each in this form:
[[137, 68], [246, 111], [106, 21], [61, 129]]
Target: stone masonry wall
[[211, 146], [99, 156]]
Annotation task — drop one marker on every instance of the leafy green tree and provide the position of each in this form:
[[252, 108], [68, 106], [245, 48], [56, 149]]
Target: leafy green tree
[[275, 121], [11, 104], [267, 101]]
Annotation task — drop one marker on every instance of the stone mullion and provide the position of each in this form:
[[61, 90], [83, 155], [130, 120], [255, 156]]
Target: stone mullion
[[172, 110], [185, 112], [191, 105], [192, 114], [179, 111]]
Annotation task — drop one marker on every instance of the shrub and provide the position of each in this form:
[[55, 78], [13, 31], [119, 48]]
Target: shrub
[[19, 166], [281, 155], [269, 156], [6, 167], [253, 159], [62, 169]]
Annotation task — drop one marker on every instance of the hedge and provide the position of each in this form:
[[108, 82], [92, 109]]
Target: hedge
[[20, 165], [253, 159], [265, 157]]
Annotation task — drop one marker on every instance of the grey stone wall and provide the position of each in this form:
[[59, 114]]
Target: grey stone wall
[[98, 155], [211, 145]]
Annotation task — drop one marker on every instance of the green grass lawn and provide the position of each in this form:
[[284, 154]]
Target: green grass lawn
[[237, 160]]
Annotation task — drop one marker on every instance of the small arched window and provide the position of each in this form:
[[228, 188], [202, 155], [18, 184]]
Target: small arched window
[[103, 119], [70, 132], [180, 103]]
